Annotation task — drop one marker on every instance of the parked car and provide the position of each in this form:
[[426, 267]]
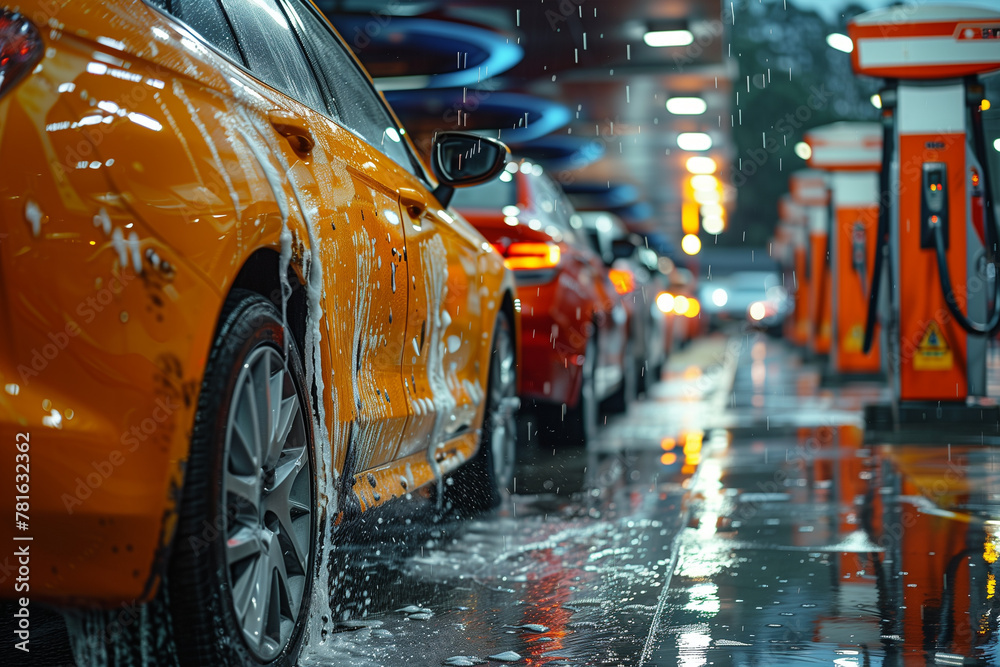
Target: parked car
[[755, 298], [681, 307], [573, 321], [236, 307], [632, 269]]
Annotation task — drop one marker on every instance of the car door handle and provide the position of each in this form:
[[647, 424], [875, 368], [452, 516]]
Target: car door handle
[[293, 128], [413, 201]]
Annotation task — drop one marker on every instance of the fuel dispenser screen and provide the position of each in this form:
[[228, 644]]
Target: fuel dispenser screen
[[933, 203]]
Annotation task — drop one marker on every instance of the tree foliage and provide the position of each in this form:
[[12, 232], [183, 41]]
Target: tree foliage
[[789, 81]]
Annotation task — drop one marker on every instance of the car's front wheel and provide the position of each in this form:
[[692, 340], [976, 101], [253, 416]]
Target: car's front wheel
[[241, 572]]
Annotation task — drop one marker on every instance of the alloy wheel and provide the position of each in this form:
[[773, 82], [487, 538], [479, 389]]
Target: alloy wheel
[[503, 407], [268, 502]]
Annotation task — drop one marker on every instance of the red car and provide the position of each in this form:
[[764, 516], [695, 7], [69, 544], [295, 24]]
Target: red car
[[573, 322]]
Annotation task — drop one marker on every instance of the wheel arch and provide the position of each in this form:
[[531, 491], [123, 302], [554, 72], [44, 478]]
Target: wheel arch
[[261, 273], [513, 313]]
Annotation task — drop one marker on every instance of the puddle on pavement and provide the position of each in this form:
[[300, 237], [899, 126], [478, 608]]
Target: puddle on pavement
[[817, 548]]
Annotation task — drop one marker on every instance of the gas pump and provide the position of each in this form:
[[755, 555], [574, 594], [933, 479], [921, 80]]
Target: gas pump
[[809, 190], [783, 252], [943, 292], [852, 154], [793, 219]]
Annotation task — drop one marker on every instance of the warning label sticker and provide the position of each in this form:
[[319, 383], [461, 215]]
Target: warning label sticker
[[933, 353], [854, 340]]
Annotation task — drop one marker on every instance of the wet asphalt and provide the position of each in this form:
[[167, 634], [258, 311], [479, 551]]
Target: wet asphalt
[[736, 515]]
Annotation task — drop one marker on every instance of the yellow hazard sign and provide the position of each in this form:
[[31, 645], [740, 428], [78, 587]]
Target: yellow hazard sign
[[933, 353], [854, 341]]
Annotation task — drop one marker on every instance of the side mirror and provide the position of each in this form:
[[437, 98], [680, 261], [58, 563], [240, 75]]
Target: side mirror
[[459, 159]]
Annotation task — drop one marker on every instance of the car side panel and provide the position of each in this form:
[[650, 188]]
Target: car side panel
[[103, 339]]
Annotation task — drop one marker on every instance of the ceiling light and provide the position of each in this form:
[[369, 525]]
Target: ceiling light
[[713, 225], [712, 211], [694, 141], [707, 196], [840, 42], [668, 38], [691, 244], [704, 182], [701, 165], [686, 106]]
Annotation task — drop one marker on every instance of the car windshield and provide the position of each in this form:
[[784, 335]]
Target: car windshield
[[492, 195]]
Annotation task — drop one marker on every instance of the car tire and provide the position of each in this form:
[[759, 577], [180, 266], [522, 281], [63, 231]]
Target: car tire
[[480, 484], [248, 517], [627, 390], [579, 423]]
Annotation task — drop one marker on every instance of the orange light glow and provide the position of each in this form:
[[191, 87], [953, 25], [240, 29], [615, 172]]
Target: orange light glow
[[668, 458], [668, 443], [526, 256], [692, 443], [689, 217], [622, 279], [694, 307]]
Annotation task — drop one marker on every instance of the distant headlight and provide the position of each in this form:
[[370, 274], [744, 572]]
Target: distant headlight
[[681, 304], [665, 302], [720, 297]]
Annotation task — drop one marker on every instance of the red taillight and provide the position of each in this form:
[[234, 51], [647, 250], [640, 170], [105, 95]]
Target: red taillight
[[524, 255], [20, 49], [622, 279]]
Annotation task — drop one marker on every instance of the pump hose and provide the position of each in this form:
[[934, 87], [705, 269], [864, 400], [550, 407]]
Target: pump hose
[[990, 232], [949, 294], [882, 234]]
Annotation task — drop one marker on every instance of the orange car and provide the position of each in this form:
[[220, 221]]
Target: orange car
[[574, 322], [235, 307]]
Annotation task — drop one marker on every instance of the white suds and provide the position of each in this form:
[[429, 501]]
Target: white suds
[[133, 244], [103, 220], [33, 214], [118, 241]]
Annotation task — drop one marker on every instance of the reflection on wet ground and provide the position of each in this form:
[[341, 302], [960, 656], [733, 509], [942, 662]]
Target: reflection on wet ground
[[736, 516]]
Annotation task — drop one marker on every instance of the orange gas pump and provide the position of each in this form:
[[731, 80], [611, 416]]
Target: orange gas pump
[[809, 190], [783, 253], [944, 295], [851, 153], [793, 220]]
